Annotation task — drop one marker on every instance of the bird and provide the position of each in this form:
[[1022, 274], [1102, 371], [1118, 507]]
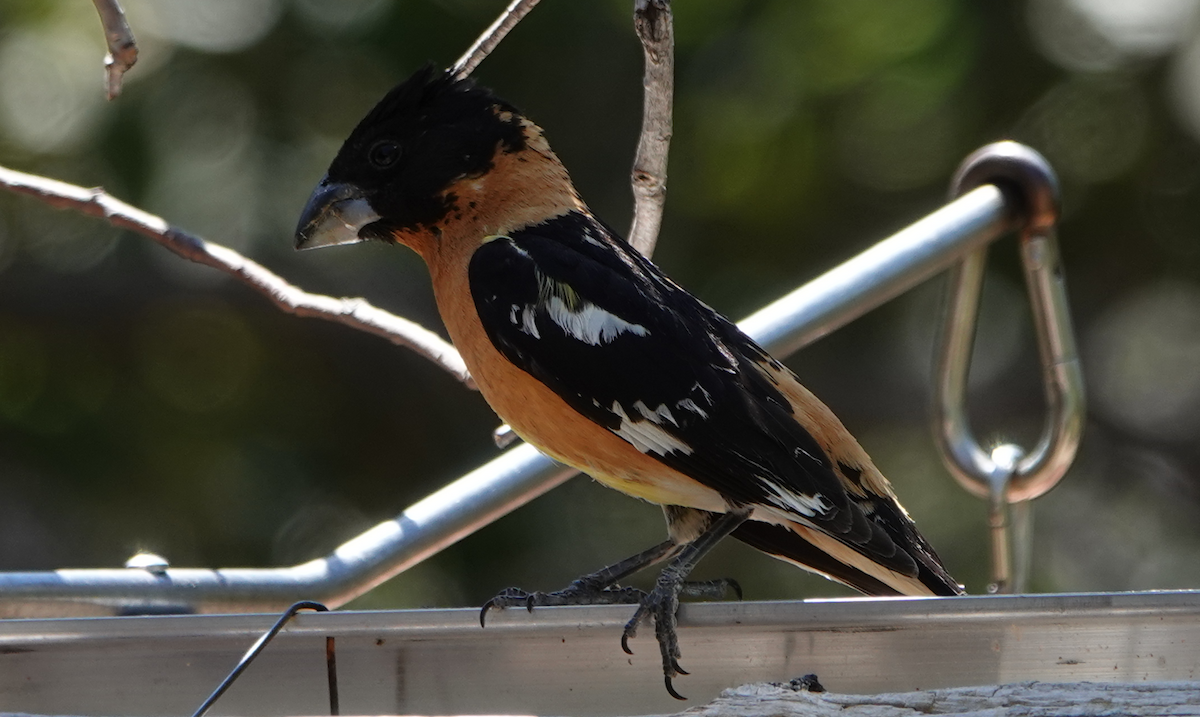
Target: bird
[[598, 359]]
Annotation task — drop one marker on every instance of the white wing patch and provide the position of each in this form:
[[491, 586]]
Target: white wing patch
[[590, 238], [806, 505], [578, 318], [526, 322], [801, 452], [688, 404], [657, 415], [646, 436], [589, 323], [529, 323]]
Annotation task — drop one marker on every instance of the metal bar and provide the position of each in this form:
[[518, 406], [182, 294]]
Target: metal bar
[[520, 474], [567, 660], [882, 272], [445, 517]]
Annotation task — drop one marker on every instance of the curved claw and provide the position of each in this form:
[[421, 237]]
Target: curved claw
[[737, 589], [625, 644], [508, 597], [675, 666], [671, 690]]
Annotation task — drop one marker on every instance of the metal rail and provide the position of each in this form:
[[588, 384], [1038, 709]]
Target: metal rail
[[519, 475], [566, 660]]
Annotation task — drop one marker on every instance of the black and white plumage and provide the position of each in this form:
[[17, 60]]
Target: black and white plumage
[[577, 308], [594, 356]]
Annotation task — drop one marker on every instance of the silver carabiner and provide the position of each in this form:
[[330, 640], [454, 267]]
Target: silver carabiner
[[1007, 474]]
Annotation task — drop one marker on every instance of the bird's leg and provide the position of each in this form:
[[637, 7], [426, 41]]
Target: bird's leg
[[662, 602], [598, 588]]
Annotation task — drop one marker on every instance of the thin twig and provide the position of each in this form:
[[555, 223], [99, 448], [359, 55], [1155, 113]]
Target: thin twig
[[492, 36], [122, 48], [653, 22], [356, 313]]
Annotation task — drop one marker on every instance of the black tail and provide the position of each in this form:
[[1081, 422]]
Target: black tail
[[779, 541]]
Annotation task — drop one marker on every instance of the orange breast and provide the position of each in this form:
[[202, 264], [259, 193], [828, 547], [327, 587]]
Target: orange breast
[[543, 419], [524, 188]]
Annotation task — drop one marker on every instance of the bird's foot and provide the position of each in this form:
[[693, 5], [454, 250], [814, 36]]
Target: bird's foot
[[580, 592], [661, 605]]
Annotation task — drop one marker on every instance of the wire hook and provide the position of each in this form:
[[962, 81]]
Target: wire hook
[[261, 643], [1008, 474]]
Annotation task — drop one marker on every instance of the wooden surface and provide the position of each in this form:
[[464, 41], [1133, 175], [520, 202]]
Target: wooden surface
[[1024, 699], [1027, 699]]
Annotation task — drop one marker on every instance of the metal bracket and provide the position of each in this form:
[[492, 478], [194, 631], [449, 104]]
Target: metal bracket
[[1007, 474]]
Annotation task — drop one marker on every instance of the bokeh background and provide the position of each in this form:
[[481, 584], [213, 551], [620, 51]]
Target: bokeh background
[[149, 404]]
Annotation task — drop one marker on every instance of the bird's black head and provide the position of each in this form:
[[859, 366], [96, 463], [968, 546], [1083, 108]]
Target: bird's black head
[[393, 171]]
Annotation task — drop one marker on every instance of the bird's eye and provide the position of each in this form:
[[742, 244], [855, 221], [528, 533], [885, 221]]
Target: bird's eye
[[384, 154]]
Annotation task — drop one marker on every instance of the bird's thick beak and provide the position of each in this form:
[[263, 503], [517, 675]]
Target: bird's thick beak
[[334, 215]]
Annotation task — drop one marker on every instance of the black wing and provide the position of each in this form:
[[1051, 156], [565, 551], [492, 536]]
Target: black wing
[[582, 312]]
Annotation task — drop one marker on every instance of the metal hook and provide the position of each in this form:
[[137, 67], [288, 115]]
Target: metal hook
[[1008, 474], [261, 643]]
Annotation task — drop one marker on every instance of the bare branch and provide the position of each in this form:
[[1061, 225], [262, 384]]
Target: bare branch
[[492, 36], [653, 22], [356, 313], [122, 48]]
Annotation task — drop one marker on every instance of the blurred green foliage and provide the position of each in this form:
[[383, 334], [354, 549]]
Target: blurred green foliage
[[146, 403]]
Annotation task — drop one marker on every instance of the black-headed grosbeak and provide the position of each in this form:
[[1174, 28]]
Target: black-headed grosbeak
[[598, 359]]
